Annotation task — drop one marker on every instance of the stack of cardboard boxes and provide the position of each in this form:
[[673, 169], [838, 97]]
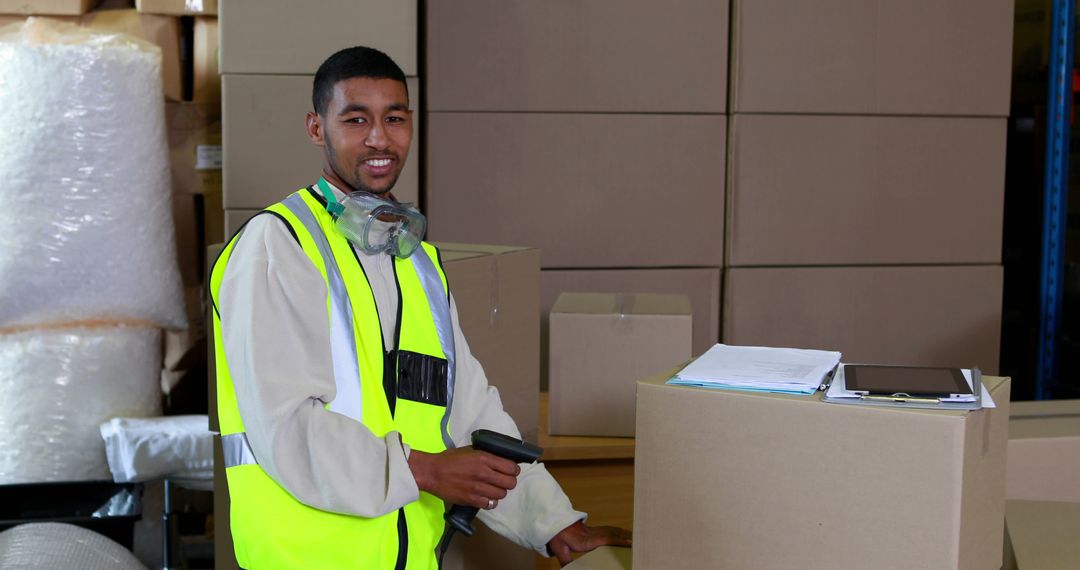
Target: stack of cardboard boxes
[[598, 139], [270, 51], [866, 178]]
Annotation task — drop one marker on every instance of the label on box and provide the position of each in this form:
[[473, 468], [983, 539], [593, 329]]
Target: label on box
[[208, 157]]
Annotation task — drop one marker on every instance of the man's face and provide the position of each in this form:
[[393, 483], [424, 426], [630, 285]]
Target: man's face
[[366, 131]]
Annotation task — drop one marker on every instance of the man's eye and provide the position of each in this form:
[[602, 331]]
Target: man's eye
[[395, 119], [357, 120]]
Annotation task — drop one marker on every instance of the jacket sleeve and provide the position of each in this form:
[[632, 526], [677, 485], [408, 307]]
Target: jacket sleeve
[[276, 336], [537, 508]]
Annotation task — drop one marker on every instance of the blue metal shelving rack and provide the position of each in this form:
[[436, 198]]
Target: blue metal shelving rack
[[1056, 186]]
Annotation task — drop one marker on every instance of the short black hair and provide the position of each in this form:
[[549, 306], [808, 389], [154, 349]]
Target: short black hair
[[348, 63]]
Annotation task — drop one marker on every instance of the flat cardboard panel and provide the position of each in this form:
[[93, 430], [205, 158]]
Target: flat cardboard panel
[[287, 37], [520, 55], [267, 152], [928, 316], [1044, 534], [604, 558], [603, 190], [206, 85], [894, 57], [778, 481], [1044, 451], [600, 345], [178, 7], [850, 190], [702, 286], [57, 7], [497, 292]]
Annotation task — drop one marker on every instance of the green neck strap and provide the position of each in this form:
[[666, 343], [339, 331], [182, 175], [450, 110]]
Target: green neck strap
[[332, 205]]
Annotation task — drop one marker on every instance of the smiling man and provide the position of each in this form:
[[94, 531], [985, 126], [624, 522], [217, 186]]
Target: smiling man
[[347, 393]]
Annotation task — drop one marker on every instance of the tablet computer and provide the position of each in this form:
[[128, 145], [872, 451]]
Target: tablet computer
[[913, 381]]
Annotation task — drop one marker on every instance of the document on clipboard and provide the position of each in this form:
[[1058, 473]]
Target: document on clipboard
[[909, 387]]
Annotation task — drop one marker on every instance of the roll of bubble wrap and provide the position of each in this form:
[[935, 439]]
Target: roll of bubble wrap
[[86, 228], [57, 386], [60, 546]]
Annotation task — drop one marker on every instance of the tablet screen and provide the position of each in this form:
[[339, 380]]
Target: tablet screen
[[889, 380]]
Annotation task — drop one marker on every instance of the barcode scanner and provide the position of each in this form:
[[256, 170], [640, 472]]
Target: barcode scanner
[[459, 517]]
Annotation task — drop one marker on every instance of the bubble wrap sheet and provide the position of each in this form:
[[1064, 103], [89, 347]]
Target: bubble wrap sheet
[[59, 546], [58, 386], [86, 228]]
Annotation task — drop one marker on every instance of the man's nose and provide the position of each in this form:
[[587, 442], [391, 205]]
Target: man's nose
[[376, 137]]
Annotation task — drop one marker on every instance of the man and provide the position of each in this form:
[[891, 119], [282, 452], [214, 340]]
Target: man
[[347, 393]]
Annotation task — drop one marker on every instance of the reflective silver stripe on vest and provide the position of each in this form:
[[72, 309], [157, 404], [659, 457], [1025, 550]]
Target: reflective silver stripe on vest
[[237, 450], [439, 302], [348, 400]]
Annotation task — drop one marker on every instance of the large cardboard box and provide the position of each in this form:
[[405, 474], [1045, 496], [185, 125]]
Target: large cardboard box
[[600, 345], [850, 190], [235, 219], [892, 57], [1043, 535], [590, 190], [736, 479], [267, 151], [604, 558], [928, 316], [178, 7], [494, 55], [206, 78], [53, 7], [1044, 451], [287, 37], [497, 292], [701, 285]]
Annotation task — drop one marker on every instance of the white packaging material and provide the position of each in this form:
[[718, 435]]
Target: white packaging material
[[86, 231], [57, 386], [60, 546], [176, 447]]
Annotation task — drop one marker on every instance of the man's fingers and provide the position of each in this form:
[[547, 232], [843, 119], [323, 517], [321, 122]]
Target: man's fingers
[[561, 552], [499, 480], [609, 536], [502, 465]]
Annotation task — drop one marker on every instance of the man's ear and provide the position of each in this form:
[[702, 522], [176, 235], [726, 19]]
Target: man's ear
[[315, 128]]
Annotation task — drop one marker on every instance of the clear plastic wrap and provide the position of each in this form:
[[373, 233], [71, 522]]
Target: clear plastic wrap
[[86, 228], [59, 546], [143, 449], [58, 385]]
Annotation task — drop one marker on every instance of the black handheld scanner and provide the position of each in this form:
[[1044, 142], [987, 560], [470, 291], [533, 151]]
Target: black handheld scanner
[[460, 517]]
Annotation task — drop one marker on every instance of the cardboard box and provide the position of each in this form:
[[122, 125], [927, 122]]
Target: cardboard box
[[600, 345], [235, 219], [604, 558], [195, 149], [267, 152], [55, 7], [872, 57], [1044, 451], [590, 190], [263, 36], [701, 285], [1043, 535], [161, 31], [178, 7], [736, 479], [206, 78], [497, 291], [850, 190], [490, 55], [920, 316]]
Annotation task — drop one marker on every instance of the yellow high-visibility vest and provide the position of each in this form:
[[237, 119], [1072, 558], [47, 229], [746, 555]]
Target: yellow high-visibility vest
[[270, 528]]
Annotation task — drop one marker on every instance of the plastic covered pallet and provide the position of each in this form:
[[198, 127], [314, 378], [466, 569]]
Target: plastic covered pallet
[[57, 387], [86, 231], [59, 546]]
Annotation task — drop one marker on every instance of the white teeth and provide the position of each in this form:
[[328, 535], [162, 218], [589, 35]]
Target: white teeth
[[377, 162]]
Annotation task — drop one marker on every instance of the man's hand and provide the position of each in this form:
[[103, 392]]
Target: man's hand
[[580, 537], [464, 476]]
